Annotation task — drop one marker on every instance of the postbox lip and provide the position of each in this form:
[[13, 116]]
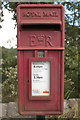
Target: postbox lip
[[40, 5], [35, 22]]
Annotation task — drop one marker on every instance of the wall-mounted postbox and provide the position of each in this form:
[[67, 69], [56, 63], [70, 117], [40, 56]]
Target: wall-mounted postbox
[[40, 48]]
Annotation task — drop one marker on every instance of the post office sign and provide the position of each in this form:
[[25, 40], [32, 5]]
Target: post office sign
[[40, 78]]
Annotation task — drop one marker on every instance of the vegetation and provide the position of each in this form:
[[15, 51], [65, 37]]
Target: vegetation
[[9, 74], [9, 57], [10, 85], [72, 59]]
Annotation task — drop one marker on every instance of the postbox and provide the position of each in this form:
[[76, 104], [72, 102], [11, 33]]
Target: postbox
[[40, 46]]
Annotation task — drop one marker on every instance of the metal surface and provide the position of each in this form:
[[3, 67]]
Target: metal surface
[[40, 28]]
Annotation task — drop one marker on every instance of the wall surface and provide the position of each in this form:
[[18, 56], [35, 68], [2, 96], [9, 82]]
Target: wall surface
[[71, 110]]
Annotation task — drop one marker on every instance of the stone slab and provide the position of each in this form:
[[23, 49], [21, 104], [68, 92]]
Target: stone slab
[[4, 110], [0, 110], [12, 109]]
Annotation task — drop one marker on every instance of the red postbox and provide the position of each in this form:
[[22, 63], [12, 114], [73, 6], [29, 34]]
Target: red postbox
[[40, 46]]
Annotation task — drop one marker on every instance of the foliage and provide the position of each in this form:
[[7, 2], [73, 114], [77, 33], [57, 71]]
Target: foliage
[[10, 85], [9, 57], [70, 112], [9, 74], [1, 14], [71, 51]]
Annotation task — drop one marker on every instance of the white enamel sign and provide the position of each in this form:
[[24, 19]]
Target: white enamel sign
[[40, 78]]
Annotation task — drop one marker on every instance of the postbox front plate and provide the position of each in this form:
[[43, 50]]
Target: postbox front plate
[[40, 79]]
